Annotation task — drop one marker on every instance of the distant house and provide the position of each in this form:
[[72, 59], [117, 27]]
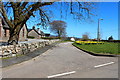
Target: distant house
[[5, 31], [72, 39], [36, 33]]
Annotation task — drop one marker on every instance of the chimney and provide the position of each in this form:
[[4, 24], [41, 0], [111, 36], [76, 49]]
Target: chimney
[[33, 27]]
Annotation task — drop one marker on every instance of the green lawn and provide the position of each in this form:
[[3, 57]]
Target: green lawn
[[106, 48], [65, 41]]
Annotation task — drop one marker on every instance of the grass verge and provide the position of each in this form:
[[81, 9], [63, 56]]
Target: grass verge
[[106, 48], [65, 41]]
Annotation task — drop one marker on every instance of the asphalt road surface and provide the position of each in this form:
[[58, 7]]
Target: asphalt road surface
[[64, 61]]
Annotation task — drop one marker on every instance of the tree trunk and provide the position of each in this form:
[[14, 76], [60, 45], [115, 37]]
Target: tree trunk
[[59, 34], [13, 39], [14, 35]]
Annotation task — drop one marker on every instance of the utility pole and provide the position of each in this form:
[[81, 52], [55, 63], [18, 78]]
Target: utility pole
[[98, 30]]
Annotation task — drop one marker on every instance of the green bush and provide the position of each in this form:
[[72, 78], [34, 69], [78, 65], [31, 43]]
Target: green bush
[[50, 38], [31, 37]]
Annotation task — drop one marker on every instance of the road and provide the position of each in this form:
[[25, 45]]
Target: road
[[64, 61]]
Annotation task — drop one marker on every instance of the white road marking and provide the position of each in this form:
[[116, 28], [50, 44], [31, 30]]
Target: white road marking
[[104, 64], [62, 74]]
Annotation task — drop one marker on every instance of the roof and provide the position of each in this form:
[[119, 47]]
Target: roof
[[29, 30], [36, 31], [41, 32], [5, 25]]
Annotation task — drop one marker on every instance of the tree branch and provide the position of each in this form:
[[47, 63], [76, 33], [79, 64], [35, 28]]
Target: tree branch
[[23, 5], [34, 8], [3, 12]]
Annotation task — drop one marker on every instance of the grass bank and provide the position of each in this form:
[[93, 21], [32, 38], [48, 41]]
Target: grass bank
[[62, 41], [106, 48]]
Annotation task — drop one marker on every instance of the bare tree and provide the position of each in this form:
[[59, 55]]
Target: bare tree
[[85, 36], [16, 14], [58, 27]]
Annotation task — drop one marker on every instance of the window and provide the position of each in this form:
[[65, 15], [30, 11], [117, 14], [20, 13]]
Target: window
[[5, 33], [23, 32], [0, 31]]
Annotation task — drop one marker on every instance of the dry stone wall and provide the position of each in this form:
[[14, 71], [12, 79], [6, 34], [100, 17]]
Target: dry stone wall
[[22, 48]]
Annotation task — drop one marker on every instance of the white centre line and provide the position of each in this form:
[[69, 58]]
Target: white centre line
[[104, 64], [62, 74]]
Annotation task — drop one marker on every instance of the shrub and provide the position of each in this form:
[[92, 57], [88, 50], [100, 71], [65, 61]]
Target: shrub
[[31, 37], [49, 38], [89, 42]]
